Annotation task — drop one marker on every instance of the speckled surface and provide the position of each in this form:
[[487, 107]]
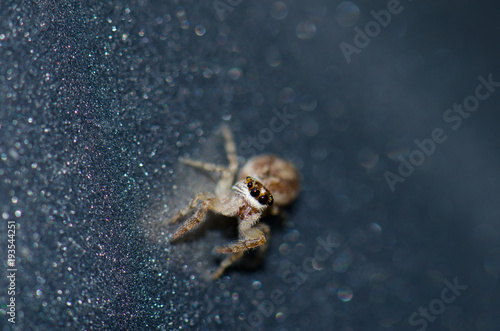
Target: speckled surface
[[98, 100]]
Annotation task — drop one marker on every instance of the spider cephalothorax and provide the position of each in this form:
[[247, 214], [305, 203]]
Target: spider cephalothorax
[[255, 191]]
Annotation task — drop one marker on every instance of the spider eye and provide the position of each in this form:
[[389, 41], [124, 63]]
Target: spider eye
[[271, 200], [263, 199], [249, 184], [255, 192]]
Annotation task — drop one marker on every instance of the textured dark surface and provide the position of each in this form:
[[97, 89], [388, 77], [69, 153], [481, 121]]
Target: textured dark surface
[[98, 100]]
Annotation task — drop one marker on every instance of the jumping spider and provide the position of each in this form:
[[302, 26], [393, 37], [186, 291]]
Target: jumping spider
[[247, 199]]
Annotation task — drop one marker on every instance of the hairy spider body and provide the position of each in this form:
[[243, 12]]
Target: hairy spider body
[[247, 200]]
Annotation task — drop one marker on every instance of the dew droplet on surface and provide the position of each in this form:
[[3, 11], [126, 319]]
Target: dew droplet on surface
[[367, 158], [235, 73], [279, 10], [345, 293], [347, 14], [306, 30], [200, 30], [308, 102], [287, 95]]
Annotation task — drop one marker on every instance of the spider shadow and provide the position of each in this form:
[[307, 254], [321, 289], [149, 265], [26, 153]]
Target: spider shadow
[[253, 260]]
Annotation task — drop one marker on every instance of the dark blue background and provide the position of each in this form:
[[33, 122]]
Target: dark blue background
[[98, 100]]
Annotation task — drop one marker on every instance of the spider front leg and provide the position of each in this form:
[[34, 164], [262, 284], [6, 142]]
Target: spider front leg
[[228, 261], [225, 264], [250, 237], [199, 215], [192, 205], [267, 233]]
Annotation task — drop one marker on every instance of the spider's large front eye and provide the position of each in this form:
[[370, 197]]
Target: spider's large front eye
[[263, 199], [255, 192]]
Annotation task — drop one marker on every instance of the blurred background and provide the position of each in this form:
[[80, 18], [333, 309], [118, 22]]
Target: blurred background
[[390, 110]]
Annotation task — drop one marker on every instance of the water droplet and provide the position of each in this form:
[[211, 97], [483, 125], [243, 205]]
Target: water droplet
[[345, 293], [306, 30], [367, 158], [279, 10], [235, 73], [308, 102], [200, 30], [347, 14], [287, 95]]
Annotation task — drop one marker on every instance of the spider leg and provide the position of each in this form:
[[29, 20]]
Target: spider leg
[[227, 173], [227, 179], [228, 261], [252, 238], [203, 165], [267, 233], [225, 264], [194, 202], [198, 216], [230, 147]]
